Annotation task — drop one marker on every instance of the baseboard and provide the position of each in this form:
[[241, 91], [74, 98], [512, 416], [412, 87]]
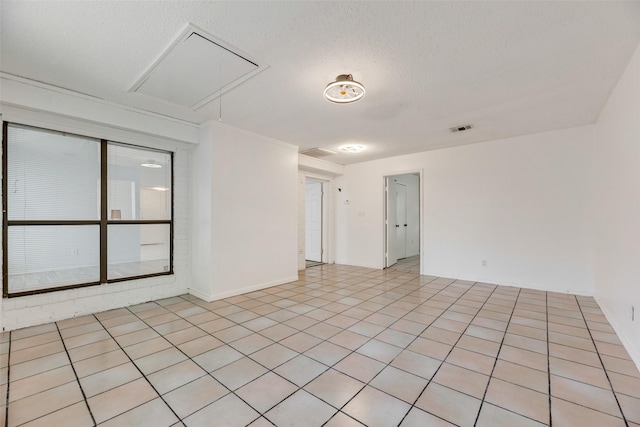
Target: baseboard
[[634, 352], [199, 294], [240, 291], [580, 292]]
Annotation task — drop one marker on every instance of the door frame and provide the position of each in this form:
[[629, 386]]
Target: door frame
[[421, 234], [322, 218], [390, 215]]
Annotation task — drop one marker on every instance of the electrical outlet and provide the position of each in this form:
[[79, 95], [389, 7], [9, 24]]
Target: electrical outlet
[[75, 251], [484, 262]]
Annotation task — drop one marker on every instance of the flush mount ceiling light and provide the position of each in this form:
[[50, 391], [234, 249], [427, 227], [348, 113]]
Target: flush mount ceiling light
[[344, 90], [151, 164], [352, 148]]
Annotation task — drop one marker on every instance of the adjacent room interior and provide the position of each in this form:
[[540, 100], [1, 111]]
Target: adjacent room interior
[[402, 222], [314, 223], [320, 213]]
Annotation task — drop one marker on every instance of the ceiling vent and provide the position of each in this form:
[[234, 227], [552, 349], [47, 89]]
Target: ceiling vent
[[317, 152], [460, 128], [196, 69]]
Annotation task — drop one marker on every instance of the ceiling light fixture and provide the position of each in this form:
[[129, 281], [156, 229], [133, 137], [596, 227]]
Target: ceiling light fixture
[[352, 148], [151, 164], [344, 90], [160, 188]]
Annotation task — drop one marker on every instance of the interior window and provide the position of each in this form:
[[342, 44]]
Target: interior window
[[82, 211]]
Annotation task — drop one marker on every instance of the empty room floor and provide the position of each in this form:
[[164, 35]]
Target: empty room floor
[[342, 346], [411, 264]]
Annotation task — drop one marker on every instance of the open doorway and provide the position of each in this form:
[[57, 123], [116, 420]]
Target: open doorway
[[314, 222], [402, 222]]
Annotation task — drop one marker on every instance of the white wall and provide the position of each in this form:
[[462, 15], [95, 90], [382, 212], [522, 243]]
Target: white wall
[[302, 226], [36, 309], [201, 208], [523, 204], [246, 186], [617, 207]]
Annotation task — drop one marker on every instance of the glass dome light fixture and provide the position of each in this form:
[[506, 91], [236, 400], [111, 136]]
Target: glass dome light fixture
[[344, 90], [151, 164], [351, 148]]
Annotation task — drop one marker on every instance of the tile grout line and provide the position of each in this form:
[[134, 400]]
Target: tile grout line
[[139, 370], [398, 295], [207, 373], [84, 396], [269, 370], [406, 348], [257, 332], [299, 353], [191, 359], [586, 365], [604, 369], [321, 340], [452, 347], [578, 362], [469, 324], [368, 340], [446, 287], [495, 362], [248, 356]]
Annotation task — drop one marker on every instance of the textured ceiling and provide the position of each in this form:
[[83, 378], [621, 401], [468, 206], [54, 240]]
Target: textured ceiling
[[508, 68]]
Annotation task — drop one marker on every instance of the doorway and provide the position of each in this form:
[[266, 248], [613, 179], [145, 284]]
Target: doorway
[[314, 219], [402, 222]]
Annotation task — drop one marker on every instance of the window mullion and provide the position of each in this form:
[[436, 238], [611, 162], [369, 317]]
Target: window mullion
[[5, 231], [103, 211], [172, 213]]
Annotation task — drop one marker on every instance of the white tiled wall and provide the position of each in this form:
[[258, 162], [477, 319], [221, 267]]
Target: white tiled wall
[[36, 309]]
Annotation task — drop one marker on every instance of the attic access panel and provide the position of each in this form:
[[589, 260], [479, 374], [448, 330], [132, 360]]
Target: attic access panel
[[196, 69]]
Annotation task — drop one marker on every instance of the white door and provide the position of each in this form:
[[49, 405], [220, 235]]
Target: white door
[[391, 255], [401, 226], [313, 221]]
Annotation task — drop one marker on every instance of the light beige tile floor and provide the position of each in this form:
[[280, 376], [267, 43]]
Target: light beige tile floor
[[342, 346], [411, 264]]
